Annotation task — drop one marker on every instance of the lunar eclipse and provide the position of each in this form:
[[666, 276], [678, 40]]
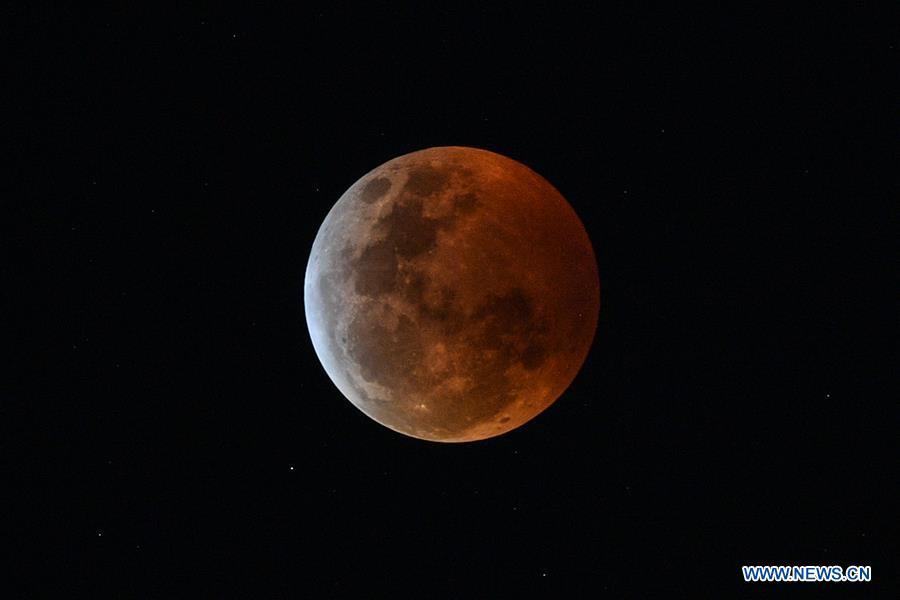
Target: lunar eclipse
[[452, 294]]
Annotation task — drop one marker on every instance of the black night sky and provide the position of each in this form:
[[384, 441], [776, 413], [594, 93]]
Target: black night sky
[[170, 433]]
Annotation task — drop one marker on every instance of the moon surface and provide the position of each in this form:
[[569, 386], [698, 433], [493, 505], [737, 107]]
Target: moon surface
[[452, 294]]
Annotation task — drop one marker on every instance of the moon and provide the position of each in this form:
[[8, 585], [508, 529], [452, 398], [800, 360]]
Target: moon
[[452, 294]]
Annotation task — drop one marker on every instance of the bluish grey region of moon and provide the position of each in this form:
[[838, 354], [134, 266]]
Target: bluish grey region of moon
[[452, 294]]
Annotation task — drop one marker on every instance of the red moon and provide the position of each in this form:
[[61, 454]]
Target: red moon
[[452, 294]]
